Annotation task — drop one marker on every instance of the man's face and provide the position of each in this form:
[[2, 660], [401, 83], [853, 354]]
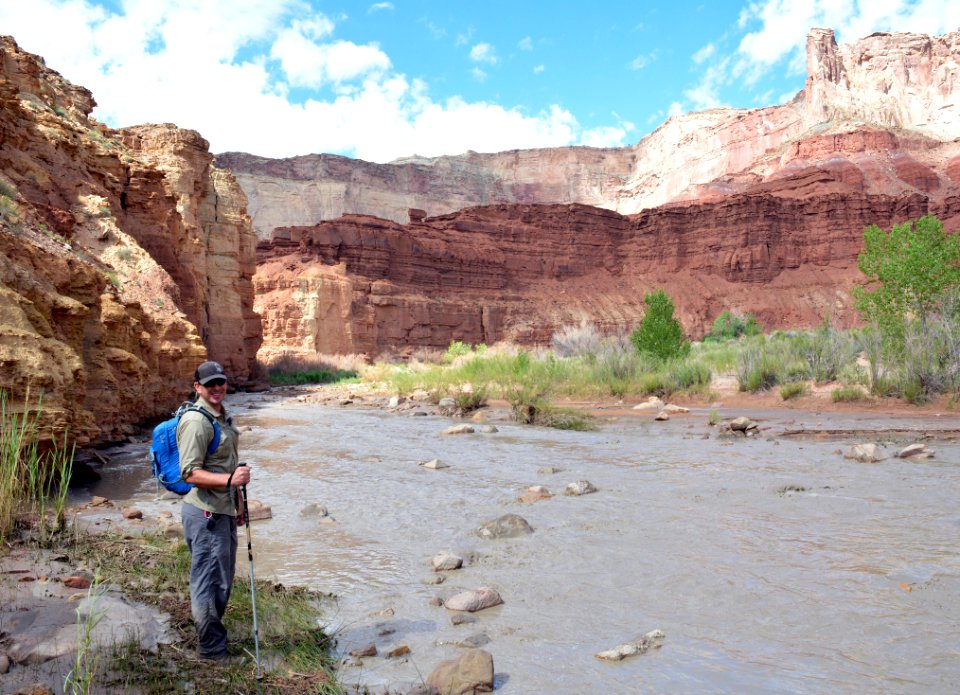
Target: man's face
[[213, 392]]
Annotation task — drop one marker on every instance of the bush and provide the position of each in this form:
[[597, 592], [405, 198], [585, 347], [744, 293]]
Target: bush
[[794, 389], [576, 341], [456, 349], [848, 394], [728, 326], [827, 351], [757, 369], [690, 375], [659, 333]]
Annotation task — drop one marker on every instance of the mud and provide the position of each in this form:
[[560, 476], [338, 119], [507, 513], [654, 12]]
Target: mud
[[771, 563]]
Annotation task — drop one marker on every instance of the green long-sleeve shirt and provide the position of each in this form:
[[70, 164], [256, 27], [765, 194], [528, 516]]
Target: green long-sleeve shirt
[[194, 433]]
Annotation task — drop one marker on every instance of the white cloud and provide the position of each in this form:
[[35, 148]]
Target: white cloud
[[484, 53], [379, 6], [676, 109], [525, 44], [192, 64], [537, 69], [706, 94], [642, 61], [478, 74], [704, 53], [607, 136]]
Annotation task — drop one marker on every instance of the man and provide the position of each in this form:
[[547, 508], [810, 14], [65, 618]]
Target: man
[[209, 510]]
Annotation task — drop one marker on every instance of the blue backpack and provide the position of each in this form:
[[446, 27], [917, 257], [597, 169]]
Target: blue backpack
[[164, 455]]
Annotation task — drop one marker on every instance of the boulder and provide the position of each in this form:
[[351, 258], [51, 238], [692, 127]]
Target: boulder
[[652, 403], [661, 416], [640, 645], [444, 562], [580, 487], [473, 601], [434, 464], [401, 650], [675, 409], [865, 453], [506, 526], [915, 451], [471, 672], [368, 650], [489, 429], [742, 424], [131, 513], [459, 429]]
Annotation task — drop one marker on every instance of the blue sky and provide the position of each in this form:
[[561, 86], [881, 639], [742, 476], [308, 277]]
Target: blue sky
[[385, 79]]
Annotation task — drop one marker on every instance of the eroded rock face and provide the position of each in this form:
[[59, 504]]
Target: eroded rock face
[[784, 249], [894, 81], [126, 259]]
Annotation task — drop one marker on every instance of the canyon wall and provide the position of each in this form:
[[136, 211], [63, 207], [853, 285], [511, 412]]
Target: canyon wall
[[904, 82], [783, 248], [127, 259]]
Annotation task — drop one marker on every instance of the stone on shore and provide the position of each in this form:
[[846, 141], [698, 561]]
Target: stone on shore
[[742, 424], [434, 464], [549, 470], [672, 409], [368, 650], [4, 663], [580, 487], [444, 562], [865, 453], [471, 672], [915, 451], [402, 650], [652, 403], [131, 513], [535, 493], [506, 526], [640, 645], [459, 429], [662, 416], [473, 601]]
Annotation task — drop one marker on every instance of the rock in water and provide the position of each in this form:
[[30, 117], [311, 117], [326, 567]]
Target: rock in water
[[473, 601], [865, 453], [580, 487], [472, 672], [651, 640], [506, 526], [443, 562]]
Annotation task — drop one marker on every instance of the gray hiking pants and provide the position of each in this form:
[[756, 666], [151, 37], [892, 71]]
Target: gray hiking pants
[[212, 540]]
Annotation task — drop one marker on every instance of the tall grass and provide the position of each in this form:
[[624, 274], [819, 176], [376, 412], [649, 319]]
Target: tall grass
[[33, 481]]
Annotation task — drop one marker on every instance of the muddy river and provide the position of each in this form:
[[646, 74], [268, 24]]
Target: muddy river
[[772, 564]]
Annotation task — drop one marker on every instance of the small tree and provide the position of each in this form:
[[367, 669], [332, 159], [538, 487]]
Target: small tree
[[908, 273], [729, 325], [659, 334]]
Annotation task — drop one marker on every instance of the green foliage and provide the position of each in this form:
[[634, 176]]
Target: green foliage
[[848, 394], [690, 375], [312, 376], [794, 389], [757, 368], [456, 349], [659, 333], [728, 326], [908, 272], [7, 189]]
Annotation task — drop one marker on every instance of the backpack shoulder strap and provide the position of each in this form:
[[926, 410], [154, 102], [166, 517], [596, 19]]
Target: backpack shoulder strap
[[188, 408]]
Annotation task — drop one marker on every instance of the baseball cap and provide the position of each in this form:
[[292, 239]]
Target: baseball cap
[[208, 371]]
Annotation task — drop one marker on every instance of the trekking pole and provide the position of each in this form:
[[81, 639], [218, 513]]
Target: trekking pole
[[253, 591]]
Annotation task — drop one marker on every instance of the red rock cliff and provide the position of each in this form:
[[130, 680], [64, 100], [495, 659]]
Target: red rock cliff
[[127, 258], [783, 248]]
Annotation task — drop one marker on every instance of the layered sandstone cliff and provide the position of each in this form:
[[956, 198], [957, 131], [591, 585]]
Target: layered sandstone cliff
[[127, 258], [897, 81], [783, 248]]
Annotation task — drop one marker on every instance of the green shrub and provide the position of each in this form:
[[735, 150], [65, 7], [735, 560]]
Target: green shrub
[[848, 394], [728, 326], [312, 376], [757, 369], [690, 375], [793, 390], [456, 349], [659, 333]]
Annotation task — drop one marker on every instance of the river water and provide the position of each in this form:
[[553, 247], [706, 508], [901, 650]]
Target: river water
[[851, 585]]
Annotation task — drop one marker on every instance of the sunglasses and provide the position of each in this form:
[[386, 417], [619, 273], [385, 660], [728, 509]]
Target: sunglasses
[[215, 382]]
